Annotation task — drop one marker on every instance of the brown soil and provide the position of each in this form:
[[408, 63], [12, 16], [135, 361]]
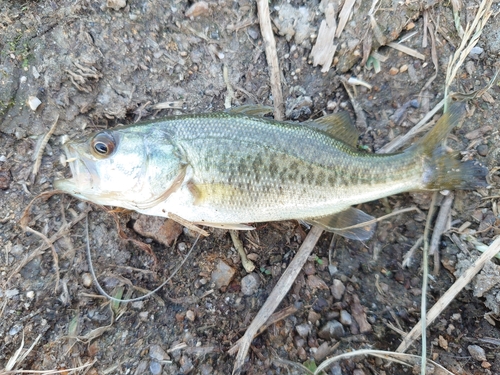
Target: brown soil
[[96, 67]]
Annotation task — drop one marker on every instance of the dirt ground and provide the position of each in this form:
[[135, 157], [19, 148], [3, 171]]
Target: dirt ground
[[95, 67]]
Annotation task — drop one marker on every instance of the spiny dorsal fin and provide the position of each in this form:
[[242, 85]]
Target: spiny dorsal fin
[[252, 110], [337, 125], [337, 223]]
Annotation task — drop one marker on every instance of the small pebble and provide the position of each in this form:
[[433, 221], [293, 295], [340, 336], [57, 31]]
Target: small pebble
[[337, 289], [403, 68], [155, 368], [222, 275], [477, 352], [15, 329], [34, 102], [482, 150], [30, 294], [190, 315], [250, 284], [299, 341], [331, 330], [116, 4], [253, 32], [393, 71], [139, 305], [321, 353], [314, 282], [358, 371], [313, 316], [157, 352], [197, 9], [87, 280], [345, 318], [4, 180], [303, 330]]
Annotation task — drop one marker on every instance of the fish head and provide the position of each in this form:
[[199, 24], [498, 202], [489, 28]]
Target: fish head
[[123, 167]]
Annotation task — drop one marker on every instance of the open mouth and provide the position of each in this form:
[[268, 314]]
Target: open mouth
[[81, 173]]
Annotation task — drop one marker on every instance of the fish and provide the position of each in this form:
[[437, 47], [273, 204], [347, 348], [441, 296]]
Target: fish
[[232, 169]]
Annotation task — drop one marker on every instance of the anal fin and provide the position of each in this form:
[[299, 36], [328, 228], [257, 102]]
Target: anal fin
[[340, 222]]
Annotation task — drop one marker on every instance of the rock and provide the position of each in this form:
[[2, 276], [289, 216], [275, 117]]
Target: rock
[[116, 4], [337, 289], [197, 9], [250, 284], [477, 352], [155, 368], [190, 315], [321, 353], [303, 330], [34, 102], [86, 279], [4, 180], [313, 316], [314, 282], [331, 330], [222, 275], [157, 228], [345, 318], [358, 371], [482, 150], [156, 352], [358, 312]]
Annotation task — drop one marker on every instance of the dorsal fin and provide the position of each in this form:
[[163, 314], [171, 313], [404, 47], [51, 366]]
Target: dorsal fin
[[337, 125], [251, 110]]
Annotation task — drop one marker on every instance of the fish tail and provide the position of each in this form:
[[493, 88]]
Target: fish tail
[[443, 169]]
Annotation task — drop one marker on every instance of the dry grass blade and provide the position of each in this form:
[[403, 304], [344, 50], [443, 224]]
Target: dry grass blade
[[407, 50], [279, 291], [272, 57], [450, 294], [397, 143], [48, 372], [324, 49], [469, 40], [344, 16], [411, 359]]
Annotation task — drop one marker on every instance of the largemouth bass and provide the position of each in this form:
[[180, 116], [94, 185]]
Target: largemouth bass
[[230, 169]]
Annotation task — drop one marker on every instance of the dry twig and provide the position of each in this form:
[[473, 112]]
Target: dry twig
[[272, 57], [279, 292], [450, 294]]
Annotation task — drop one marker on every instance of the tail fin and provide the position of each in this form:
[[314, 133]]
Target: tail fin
[[443, 169]]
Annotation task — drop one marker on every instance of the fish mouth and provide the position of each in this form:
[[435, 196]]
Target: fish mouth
[[83, 175]]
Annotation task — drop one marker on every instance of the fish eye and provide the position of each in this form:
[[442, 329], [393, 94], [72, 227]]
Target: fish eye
[[102, 145]]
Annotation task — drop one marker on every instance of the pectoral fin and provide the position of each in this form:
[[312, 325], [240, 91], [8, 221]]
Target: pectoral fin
[[338, 223], [226, 226], [337, 125]]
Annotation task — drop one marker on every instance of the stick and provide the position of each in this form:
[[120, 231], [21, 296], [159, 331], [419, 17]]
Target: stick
[[450, 294], [279, 292], [271, 56]]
